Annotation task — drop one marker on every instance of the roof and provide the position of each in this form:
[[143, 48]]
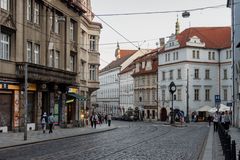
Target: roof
[[213, 37], [116, 63], [124, 52], [153, 56]]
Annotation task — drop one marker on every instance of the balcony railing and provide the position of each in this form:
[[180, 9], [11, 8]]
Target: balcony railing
[[45, 74], [77, 5]]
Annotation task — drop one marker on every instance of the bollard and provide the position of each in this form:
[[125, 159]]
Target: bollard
[[233, 150]]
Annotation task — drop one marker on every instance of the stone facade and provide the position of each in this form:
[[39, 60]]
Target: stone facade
[[58, 42]]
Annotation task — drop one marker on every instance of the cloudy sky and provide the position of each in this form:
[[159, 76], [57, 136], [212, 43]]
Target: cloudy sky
[[144, 30]]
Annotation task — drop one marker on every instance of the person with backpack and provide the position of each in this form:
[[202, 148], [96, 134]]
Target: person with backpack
[[50, 122], [44, 121]]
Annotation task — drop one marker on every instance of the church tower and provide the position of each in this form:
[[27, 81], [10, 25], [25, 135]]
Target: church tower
[[177, 27]]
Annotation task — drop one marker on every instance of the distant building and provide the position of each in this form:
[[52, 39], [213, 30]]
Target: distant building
[[59, 43], [145, 85], [205, 53]]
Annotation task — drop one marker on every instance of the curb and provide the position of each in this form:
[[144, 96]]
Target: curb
[[55, 139]]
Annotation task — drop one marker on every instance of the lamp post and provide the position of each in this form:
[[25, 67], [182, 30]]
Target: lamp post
[[187, 114], [172, 89], [25, 100]]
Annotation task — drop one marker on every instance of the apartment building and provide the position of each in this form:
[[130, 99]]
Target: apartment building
[[56, 44]]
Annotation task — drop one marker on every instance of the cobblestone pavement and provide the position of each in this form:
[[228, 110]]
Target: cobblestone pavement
[[131, 141]]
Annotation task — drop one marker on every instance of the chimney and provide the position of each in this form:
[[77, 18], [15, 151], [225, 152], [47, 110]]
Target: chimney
[[162, 42]]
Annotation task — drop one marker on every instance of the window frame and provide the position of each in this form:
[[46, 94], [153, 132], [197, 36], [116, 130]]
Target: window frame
[[5, 4], [5, 43]]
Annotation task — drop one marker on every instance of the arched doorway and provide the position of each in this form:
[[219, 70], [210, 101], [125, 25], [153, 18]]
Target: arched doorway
[[163, 116]]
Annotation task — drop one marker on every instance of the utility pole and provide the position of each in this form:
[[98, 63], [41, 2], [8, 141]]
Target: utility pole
[[25, 100], [187, 118]]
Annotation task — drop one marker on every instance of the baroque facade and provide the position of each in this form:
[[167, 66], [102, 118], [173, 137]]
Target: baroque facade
[[198, 60], [56, 43]]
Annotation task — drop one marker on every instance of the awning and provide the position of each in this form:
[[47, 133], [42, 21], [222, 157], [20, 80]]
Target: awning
[[77, 96]]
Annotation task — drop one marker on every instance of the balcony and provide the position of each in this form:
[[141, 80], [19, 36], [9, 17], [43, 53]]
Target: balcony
[[76, 5], [45, 74]]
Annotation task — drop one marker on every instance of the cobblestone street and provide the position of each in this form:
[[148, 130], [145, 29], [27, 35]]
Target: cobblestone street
[[131, 141]]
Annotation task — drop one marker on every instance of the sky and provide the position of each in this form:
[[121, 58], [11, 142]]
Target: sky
[[145, 30]]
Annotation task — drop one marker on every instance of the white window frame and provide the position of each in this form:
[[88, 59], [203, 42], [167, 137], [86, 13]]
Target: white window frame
[[72, 63], [93, 43], [36, 54], [196, 73], [5, 46], [71, 27], [29, 52], [36, 13], [57, 59], [92, 72], [225, 74], [207, 74], [225, 94], [56, 24], [196, 94], [51, 58], [179, 73], [179, 94], [29, 10], [207, 94]]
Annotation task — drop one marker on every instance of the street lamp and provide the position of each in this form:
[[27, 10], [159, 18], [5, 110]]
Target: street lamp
[[172, 89], [187, 116]]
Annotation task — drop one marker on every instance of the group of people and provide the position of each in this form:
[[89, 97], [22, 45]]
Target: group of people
[[47, 120], [97, 118], [223, 119]]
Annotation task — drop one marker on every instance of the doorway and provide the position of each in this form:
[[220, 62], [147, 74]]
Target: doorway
[[163, 116]]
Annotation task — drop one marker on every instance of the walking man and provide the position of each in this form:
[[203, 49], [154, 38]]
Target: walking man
[[215, 121], [50, 122], [109, 118]]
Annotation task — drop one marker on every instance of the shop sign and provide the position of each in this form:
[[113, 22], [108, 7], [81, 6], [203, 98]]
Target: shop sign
[[72, 90]]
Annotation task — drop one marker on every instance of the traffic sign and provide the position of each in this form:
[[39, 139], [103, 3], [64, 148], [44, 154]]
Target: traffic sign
[[217, 99]]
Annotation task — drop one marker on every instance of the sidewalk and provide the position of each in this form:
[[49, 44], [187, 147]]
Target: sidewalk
[[213, 148], [16, 139]]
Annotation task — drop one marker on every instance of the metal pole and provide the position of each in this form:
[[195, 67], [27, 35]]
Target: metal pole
[[172, 120], [187, 120], [26, 101]]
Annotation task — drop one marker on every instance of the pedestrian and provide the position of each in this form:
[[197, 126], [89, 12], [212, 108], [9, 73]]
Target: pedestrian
[[50, 122], [209, 120], [91, 120], [106, 118], [227, 121], [109, 118], [215, 121], [44, 121], [222, 119], [95, 120]]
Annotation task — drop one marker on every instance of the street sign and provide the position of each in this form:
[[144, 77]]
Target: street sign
[[217, 99]]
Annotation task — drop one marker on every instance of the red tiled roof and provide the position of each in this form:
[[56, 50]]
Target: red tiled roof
[[213, 37], [124, 53]]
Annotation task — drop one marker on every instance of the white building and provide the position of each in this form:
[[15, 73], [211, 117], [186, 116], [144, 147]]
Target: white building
[[234, 5], [203, 52]]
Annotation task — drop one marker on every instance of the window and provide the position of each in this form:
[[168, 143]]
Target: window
[[168, 56], [230, 54], [72, 30], [207, 74], [171, 75], [196, 73], [92, 72], [207, 95], [57, 59], [5, 4], [92, 43], [163, 76], [36, 58], [198, 55], [72, 62], [227, 54], [56, 24], [213, 55], [193, 54], [179, 74], [51, 58], [5, 46], [165, 57], [176, 55], [36, 13], [29, 10], [173, 55], [209, 56], [225, 74], [225, 95], [179, 94], [29, 52], [54, 59], [163, 95], [196, 94]]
